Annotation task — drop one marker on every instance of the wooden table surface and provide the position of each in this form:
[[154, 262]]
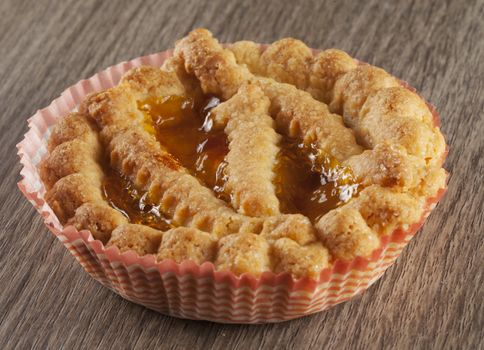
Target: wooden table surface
[[431, 298]]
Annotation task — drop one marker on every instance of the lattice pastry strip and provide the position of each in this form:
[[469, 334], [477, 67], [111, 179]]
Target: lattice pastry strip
[[371, 101], [252, 151], [298, 115], [76, 198], [386, 164], [135, 153], [295, 111]]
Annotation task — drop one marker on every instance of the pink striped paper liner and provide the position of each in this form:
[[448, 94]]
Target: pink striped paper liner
[[188, 290]]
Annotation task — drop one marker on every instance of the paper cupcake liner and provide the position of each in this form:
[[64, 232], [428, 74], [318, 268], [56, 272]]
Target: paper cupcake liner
[[188, 290]]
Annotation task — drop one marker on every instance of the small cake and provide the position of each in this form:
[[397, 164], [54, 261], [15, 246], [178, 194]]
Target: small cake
[[277, 159]]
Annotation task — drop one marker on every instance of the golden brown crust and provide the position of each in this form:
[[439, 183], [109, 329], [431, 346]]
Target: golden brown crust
[[397, 102], [434, 180], [252, 152], [181, 196], [215, 67], [263, 92], [400, 116], [352, 89], [378, 108], [298, 114], [75, 126], [293, 226], [327, 67], [288, 61], [248, 53], [190, 84], [73, 178], [191, 204], [180, 244], [69, 193], [138, 155], [389, 104], [68, 158], [138, 238], [135, 153], [146, 81], [291, 61], [299, 260], [385, 210], [346, 234], [99, 218], [388, 165], [243, 253], [111, 107]]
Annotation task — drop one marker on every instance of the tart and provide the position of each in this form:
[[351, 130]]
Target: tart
[[254, 160]]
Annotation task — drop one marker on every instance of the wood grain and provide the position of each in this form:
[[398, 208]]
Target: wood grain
[[431, 298]]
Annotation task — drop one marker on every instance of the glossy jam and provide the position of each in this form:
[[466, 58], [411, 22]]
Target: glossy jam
[[184, 127], [123, 197], [310, 182], [306, 180]]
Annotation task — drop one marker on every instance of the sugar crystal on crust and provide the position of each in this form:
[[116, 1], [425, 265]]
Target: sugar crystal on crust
[[346, 234], [352, 89], [138, 238], [248, 53], [388, 165], [74, 126], [180, 244], [287, 60], [70, 192], [384, 209], [300, 261], [327, 67], [69, 158], [243, 253], [99, 218]]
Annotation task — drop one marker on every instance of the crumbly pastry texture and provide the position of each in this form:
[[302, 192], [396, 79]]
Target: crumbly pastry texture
[[355, 114]]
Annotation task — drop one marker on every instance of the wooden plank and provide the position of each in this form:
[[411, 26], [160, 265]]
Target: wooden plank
[[431, 298]]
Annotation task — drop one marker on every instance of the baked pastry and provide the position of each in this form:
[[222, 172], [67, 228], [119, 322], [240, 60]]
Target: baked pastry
[[255, 160]]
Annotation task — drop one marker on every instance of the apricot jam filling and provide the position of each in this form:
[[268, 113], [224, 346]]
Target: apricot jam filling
[[306, 180], [122, 196], [184, 127], [309, 182]]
